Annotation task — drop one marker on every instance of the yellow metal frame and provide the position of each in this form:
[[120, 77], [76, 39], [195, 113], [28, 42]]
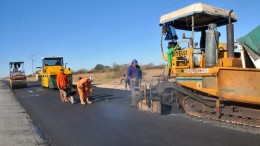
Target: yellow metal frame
[[211, 80], [48, 75]]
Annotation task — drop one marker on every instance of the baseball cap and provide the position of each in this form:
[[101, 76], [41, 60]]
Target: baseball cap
[[134, 61]]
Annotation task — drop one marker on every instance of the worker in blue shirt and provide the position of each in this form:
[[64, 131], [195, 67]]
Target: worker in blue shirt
[[134, 74]]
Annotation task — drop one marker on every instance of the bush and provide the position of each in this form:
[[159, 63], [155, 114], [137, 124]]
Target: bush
[[118, 70], [101, 68], [81, 71], [152, 66]]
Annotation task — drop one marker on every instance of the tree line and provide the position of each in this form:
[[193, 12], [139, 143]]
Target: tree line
[[99, 68]]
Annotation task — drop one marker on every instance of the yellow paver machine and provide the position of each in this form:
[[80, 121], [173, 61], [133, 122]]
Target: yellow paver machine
[[214, 80]]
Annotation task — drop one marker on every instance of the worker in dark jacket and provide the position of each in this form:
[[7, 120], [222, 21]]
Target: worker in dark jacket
[[134, 74]]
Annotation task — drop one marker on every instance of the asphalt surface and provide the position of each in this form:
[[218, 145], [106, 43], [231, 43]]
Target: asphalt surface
[[111, 121]]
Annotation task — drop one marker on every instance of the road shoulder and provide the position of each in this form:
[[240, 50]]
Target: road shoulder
[[16, 127]]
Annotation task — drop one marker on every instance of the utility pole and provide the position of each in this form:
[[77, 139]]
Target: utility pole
[[31, 58]]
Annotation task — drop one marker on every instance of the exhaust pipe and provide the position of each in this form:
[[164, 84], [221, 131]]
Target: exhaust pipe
[[230, 37]]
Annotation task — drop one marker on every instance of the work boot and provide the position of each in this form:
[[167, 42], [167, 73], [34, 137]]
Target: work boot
[[66, 100], [89, 102], [71, 99], [83, 103], [62, 100]]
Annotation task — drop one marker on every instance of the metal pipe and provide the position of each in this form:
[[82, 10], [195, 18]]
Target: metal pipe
[[230, 37], [229, 16], [218, 108], [162, 44], [192, 27]]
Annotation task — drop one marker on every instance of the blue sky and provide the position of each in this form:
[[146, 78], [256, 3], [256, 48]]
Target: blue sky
[[105, 32]]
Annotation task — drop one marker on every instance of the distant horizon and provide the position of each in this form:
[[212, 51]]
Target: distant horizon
[[90, 70]]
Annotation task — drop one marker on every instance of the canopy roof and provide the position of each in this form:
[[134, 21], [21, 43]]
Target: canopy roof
[[52, 57], [251, 43], [16, 62], [203, 15]]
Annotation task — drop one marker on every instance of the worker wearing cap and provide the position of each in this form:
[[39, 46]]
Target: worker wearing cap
[[62, 84], [172, 46], [84, 88], [134, 74]]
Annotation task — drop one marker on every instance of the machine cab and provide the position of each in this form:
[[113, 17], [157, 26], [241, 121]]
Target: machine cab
[[16, 68], [197, 18], [52, 61]]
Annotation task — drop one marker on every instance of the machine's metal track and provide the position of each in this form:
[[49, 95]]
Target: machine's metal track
[[192, 110], [225, 118], [202, 105]]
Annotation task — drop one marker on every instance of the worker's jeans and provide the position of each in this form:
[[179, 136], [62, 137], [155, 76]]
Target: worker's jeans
[[134, 86], [63, 94]]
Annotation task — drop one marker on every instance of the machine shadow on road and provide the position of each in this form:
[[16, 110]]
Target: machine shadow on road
[[109, 94], [106, 95], [103, 97]]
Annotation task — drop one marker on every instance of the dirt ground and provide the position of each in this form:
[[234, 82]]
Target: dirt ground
[[106, 80]]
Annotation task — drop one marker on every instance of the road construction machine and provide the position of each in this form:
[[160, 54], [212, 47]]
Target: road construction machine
[[17, 77], [51, 66], [213, 80]]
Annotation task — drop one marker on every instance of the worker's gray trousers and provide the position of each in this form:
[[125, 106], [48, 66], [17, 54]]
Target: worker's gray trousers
[[134, 93]]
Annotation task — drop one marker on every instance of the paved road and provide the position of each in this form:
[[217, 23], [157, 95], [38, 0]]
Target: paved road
[[111, 121]]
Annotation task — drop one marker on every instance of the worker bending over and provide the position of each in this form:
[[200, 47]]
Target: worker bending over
[[62, 84], [84, 88]]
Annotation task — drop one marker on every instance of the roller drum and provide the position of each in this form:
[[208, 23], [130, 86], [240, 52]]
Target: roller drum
[[17, 84]]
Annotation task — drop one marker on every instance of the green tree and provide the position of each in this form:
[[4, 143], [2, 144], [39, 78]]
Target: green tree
[[99, 68]]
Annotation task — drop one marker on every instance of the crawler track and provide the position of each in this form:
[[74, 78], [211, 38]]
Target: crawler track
[[201, 105], [198, 109]]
